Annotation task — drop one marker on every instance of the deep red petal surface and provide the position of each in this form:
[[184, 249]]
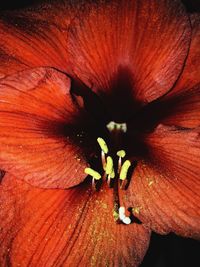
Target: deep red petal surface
[[35, 37], [165, 188], [10, 193], [135, 54], [38, 136], [191, 74], [182, 105], [71, 228], [137, 45]]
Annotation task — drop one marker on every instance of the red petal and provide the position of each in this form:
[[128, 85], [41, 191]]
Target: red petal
[[165, 189], [182, 105], [38, 129], [191, 74], [34, 37], [10, 192], [139, 46], [74, 227]]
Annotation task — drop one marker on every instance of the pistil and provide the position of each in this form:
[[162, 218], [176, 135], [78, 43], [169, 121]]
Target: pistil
[[123, 217]]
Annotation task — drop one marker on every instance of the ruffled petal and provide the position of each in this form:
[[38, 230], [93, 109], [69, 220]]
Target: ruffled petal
[[134, 48], [164, 190], [181, 106], [40, 136], [73, 227]]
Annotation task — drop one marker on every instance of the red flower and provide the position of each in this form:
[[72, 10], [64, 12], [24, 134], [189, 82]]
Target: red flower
[[67, 70]]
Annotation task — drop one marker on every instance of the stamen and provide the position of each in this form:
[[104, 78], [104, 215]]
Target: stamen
[[121, 154], [124, 170], [103, 160], [121, 213], [109, 165], [123, 174], [96, 175], [109, 170], [102, 145], [126, 220], [111, 176], [123, 217], [104, 150]]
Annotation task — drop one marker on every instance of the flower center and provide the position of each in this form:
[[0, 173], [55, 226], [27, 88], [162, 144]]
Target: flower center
[[115, 170]]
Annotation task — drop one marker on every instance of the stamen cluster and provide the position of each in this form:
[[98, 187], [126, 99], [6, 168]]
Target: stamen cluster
[[108, 165], [110, 175]]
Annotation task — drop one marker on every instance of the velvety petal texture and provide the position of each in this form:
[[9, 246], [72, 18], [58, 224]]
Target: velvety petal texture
[[72, 227], [139, 46], [191, 73], [36, 43], [181, 106], [164, 190], [36, 36], [9, 215], [120, 55], [38, 132]]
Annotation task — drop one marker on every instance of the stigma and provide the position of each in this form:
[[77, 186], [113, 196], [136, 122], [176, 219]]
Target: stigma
[[123, 218], [116, 126]]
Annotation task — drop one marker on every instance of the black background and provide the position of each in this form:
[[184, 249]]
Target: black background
[[164, 251], [191, 5]]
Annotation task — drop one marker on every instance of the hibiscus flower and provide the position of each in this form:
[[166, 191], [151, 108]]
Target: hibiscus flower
[[99, 131]]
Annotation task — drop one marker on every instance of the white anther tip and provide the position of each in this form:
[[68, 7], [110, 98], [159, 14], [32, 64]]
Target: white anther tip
[[122, 213], [126, 220], [122, 210]]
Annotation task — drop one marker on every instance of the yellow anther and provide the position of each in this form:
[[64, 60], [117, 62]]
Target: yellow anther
[[93, 173], [124, 170], [109, 165], [112, 175], [121, 153], [115, 215], [102, 145]]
